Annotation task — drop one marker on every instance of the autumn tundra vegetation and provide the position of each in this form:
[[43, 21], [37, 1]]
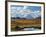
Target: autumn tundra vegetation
[[23, 23]]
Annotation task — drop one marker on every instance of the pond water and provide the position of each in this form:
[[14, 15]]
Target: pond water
[[30, 29]]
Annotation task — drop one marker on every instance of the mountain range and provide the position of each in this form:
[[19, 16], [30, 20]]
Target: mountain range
[[24, 18]]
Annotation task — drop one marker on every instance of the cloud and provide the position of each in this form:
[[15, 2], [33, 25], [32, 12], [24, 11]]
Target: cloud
[[25, 7], [36, 14], [23, 12]]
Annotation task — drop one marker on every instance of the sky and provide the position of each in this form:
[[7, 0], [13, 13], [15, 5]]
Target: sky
[[25, 11]]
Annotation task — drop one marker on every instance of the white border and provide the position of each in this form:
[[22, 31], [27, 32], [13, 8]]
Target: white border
[[24, 32]]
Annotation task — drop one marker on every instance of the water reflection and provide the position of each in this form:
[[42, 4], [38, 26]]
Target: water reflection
[[30, 29], [27, 29]]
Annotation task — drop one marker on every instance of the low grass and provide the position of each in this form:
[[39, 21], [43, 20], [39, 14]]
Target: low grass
[[25, 23]]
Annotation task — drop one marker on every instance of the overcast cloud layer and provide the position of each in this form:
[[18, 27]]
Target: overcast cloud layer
[[25, 11]]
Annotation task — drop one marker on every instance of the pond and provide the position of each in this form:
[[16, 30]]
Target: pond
[[31, 29]]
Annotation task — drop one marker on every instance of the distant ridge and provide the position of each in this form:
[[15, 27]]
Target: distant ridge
[[38, 17], [24, 18]]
